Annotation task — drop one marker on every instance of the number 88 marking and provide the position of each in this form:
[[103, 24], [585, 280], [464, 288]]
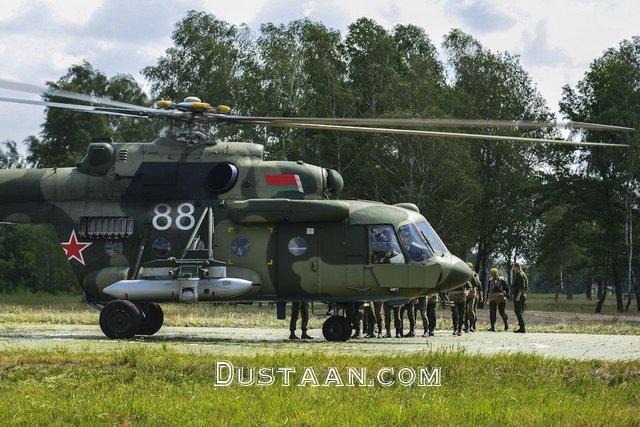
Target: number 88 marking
[[184, 220]]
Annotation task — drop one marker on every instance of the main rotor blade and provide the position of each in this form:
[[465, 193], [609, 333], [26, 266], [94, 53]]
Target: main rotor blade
[[411, 122], [83, 108], [150, 113], [38, 90], [441, 134]]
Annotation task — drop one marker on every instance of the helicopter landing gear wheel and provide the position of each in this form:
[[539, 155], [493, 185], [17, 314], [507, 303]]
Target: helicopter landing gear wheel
[[151, 317], [120, 319], [336, 328]]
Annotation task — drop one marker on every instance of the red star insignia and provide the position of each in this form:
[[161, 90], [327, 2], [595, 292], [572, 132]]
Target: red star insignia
[[73, 249]]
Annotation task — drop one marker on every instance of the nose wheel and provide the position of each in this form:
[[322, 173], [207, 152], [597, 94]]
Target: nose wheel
[[336, 328]]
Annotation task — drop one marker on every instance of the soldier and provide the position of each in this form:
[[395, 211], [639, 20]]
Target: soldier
[[458, 296], [396, 319], [377, 308], [369, 319], [475, 296], [354, 316], [299, 308], [383, 251], [408, 308], [520, 285], [498, 294], [421, 307], [432, 303]]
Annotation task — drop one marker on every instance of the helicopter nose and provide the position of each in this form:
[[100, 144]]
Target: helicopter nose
[[455, 272]]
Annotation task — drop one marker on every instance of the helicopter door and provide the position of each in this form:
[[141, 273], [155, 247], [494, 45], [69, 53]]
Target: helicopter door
[[298, 260]]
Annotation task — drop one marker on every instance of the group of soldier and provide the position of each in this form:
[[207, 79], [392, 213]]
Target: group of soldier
[[367, 318]]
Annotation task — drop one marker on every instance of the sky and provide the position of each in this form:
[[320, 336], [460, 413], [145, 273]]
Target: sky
[[40, 39]]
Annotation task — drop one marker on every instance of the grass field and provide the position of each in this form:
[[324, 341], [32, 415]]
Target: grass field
[[579, 304], [69, 309], [160, 387]]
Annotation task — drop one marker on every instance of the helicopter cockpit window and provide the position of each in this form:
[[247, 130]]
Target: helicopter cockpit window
[[413, 242], [432, 237], [383, 245]]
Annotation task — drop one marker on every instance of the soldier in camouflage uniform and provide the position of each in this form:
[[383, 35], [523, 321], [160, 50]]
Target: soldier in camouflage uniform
[[396, 319], [299, 308], [377, 308], [475, 296], [498, 294], [368, 319], [458, 297], [408, 308], [432, 303], [354, 316], [520, 285], [420, 307]]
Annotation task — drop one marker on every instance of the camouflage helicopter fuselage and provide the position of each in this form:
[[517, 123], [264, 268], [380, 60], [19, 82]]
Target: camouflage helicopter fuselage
[[130, 210]]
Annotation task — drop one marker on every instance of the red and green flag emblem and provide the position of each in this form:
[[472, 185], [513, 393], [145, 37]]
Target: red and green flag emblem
[[285, 181]]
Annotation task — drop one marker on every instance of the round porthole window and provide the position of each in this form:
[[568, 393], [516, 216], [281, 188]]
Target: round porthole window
[[222, 177], [113, 247], [297, 246], [240, 246], [161, 247]]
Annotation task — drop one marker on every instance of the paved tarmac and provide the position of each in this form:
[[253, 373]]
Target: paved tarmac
[[262, 340]]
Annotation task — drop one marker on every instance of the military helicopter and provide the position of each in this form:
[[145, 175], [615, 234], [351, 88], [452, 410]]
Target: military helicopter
[[186, 218]]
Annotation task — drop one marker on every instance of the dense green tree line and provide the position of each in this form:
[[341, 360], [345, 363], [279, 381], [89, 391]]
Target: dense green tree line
[[561, 210]]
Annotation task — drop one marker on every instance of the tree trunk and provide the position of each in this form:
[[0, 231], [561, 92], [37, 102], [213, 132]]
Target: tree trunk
[[602, 296], [635, 282], [601, 288], [589, 289], [617, 285], [569, 286], [481, 264], [509, 264]]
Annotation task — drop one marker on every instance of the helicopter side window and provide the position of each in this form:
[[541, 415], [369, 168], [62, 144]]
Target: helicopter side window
[[432, 237], [383, 245], [414, 244]]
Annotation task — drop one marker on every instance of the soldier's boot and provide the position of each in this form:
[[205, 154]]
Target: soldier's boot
[[388, 334], [306, 336], [411, 334], [473, 327], [426, 333], [506, 325], [466, 327], [431, 333], [293, 336], [492, 328], [356, 335]]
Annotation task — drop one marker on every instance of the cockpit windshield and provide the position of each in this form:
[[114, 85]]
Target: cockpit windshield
[[432, 237], [414, 243]]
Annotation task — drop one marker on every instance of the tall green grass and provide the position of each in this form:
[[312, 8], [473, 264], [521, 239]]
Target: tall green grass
[[158, 387]]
